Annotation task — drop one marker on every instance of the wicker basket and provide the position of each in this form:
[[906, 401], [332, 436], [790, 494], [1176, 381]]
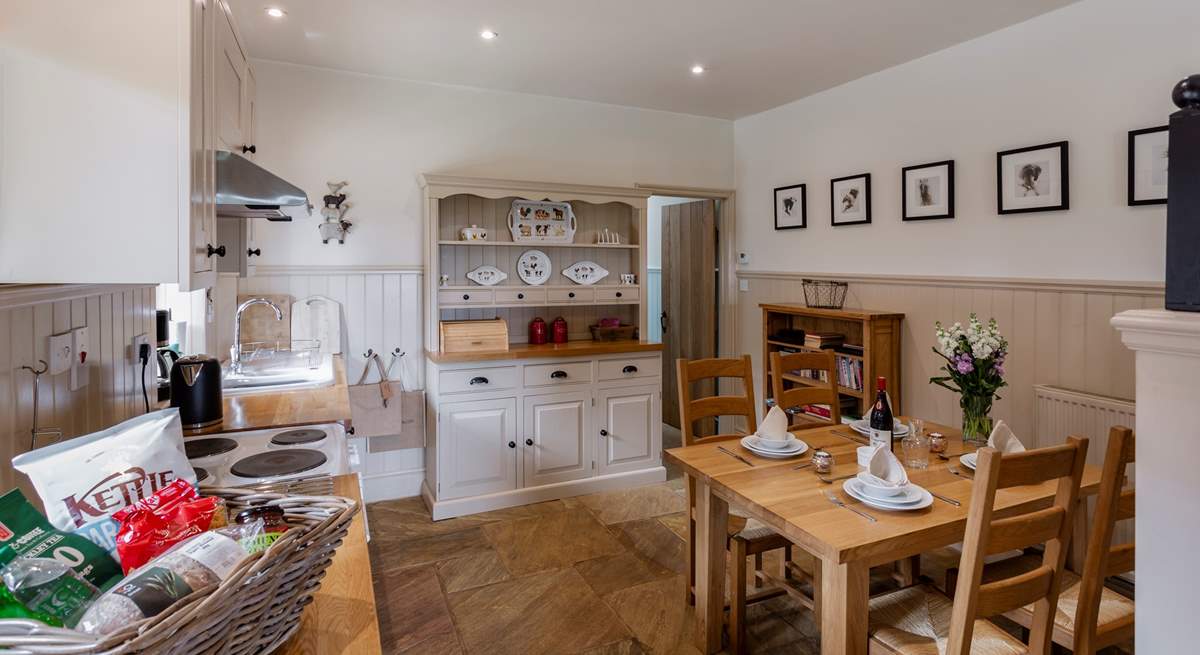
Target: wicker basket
[[824, 294], [623, 332], [255, 610]]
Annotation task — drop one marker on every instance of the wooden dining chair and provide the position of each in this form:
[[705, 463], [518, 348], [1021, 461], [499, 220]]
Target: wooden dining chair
[[746, 538], [810, 392], [1090, 616], [915, 619]]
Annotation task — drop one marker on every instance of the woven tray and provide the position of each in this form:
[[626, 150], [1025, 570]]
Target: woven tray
[[255, 610]]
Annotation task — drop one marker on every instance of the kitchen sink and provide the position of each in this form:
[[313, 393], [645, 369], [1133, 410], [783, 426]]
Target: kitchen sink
[[278, 370]]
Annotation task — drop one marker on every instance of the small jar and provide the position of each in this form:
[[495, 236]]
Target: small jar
[[937, 442], [822, 461], [273, 526]]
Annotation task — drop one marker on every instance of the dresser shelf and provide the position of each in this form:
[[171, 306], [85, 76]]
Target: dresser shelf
[[539, 246]]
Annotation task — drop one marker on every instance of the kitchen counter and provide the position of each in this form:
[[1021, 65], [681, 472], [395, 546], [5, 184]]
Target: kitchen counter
[[342, 618], [581, 348], [281, 409]]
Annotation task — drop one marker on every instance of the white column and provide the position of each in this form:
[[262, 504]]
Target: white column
[[1167, 348]]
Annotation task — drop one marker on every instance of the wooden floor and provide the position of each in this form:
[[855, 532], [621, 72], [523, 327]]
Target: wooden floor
[[598, 574]]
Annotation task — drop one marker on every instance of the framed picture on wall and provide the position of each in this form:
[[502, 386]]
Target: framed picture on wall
[[1148, 166], [850, 200], [927, 191], [791, 207], [1033, 179]]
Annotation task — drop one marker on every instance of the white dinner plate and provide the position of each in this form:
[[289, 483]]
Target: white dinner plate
[[969, 460], [906, 494], [797, 447], [851, 488], [863, 426]]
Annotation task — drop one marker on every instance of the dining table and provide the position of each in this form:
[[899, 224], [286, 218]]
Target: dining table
[[795, 503]]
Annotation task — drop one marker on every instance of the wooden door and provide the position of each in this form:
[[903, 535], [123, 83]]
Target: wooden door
[[477, 446], [557, 437], [689, 296], [201, 268], [628, 428]]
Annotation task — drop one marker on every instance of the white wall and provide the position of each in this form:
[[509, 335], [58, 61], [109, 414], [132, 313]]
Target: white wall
[[1087, 73], [315, 126]]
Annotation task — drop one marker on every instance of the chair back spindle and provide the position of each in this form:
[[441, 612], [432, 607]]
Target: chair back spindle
[[695, 409]]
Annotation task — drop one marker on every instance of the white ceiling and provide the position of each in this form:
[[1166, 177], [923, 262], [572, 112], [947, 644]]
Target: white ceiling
[[759, 53]]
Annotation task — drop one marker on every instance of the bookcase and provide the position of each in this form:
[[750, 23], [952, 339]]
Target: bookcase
[[871, 349]]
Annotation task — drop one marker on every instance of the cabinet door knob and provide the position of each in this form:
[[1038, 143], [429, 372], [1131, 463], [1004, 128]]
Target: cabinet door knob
[[466, 296], [629, 369], [520, 296], [618, 294], [603, 432], [529, 442], [512, 444], [571, 294], [219, 252], [252, 149], [558, 374], [478, 380], [254, 252]]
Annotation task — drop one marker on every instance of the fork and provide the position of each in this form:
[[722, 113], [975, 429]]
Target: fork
[[832, 480], [840, 503], [954, 469]]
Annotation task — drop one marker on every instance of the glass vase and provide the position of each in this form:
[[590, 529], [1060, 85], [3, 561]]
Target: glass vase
[[976, 419]]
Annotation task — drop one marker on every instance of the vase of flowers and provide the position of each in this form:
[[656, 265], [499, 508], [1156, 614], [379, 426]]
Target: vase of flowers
[[975, 370]]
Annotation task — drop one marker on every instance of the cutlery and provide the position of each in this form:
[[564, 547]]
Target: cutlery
[[943, 498], [735, 456], [953, 469], [846, 435], [832, 480], [802, 466], [945, 458], [840, 503]]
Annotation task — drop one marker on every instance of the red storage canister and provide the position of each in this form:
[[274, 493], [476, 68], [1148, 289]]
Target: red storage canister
[[537, 331], [559, 330]]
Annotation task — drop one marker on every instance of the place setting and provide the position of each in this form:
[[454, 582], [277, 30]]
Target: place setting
[[884, 485], [1002, 439], [772, 439]]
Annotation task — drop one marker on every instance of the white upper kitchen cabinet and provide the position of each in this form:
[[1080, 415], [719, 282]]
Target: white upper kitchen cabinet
[[109, 119]]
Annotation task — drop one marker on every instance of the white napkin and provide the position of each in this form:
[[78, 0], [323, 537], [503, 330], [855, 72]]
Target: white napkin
[[1003, 439], [774, 425], [885, 470]]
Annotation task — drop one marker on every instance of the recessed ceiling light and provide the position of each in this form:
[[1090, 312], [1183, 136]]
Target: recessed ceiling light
[[276, 12], [488, 35], [697, 69]]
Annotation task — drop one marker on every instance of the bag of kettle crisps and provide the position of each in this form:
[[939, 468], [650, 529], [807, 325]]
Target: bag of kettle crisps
[[84, 481]]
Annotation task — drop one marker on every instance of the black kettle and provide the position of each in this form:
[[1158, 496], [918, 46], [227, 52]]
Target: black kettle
[[196, 391]]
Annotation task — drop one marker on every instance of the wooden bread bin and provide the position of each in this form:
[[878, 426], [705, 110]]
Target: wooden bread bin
[[474, 336]]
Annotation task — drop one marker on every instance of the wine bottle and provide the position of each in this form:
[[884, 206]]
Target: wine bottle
[[881, 417]]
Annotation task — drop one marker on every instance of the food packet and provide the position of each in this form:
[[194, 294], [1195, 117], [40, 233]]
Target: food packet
[[44, 589], [25, 533], [84, 481], [154, 524], [203, 560]]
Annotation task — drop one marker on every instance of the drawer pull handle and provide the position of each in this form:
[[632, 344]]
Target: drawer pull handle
[[558, 374], [512, 444], [478, 380], [603, 432], [254, 252], [466, 296], [219, 252], [618, 294], [571, 294], [629, 369], [520, 296], [529, 442]]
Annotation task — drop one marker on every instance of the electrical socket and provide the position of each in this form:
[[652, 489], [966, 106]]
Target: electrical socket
[[140, 339]]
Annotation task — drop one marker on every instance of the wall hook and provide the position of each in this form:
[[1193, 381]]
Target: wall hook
[[35, 431]]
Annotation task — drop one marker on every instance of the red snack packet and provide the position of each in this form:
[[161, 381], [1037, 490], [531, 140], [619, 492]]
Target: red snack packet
[[152, 525]]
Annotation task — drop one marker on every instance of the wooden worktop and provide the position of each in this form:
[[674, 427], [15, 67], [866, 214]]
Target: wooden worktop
[[580, 348], [342, 618], [281, 409]]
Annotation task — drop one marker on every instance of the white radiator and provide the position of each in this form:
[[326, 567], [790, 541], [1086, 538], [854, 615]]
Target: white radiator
[[1059, 413]]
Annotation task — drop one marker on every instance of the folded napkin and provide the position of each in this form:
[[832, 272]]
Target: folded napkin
[[1003, 439], [884, 469], [774, 425]]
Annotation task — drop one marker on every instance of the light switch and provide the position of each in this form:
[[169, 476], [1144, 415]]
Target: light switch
[[60, 353], [743, 285], [80, 359], [743, 259]]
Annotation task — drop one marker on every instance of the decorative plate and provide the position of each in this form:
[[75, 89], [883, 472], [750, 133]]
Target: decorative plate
[[585, 272], [541, 221], [487, 276], [533, 267]]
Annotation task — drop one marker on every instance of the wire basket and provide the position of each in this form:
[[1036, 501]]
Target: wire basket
[[824, 294]]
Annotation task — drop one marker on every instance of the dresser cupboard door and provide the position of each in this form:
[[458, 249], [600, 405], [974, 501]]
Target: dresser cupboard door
[[231, 85], [477, 447], [556, 437], [200, 269], [629, 428]]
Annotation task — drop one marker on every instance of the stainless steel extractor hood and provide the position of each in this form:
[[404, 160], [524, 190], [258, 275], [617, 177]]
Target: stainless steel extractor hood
[[247, 190]]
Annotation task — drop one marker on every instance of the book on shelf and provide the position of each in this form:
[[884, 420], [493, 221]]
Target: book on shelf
[[821, 340], [824, 412], [851, 349]]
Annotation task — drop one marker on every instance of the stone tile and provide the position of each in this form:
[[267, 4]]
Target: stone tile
[[623, 647], [408, 518], [654, 542], [622, 505], [388, 553], [676, 523], [413, 615], [553, 612], [779, 626], [616, 572], [658, 617], [471, 571], [550, 541]]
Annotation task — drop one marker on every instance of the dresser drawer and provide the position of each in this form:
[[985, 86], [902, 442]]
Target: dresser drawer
[[517, 296], [538, 375], [471, 297], [582, 294], [628, 369], [623, 294], [478, 379]]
